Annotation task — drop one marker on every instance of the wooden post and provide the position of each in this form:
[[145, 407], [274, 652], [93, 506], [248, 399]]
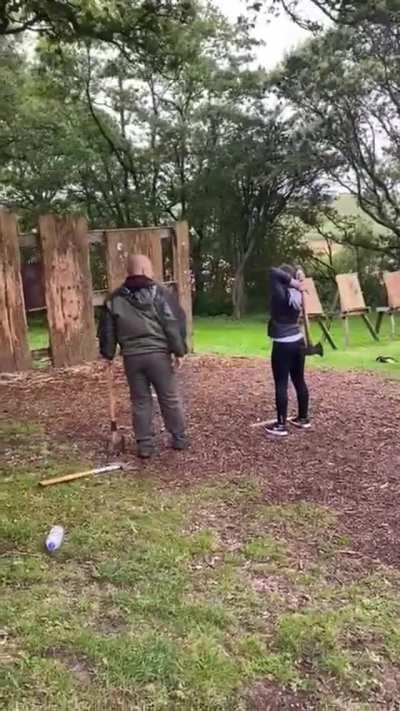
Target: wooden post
[[392, 326], [14, 348], [380, 314], [326, 333], [68, 286], [121, 243], [346, 331], [370, 327], [181, 251], [313, 309]]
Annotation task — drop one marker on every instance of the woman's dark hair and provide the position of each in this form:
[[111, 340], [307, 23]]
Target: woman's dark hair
[[289, 270]]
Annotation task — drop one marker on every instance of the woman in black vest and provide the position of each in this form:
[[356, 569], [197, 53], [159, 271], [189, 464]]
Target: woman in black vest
[[288, 355]]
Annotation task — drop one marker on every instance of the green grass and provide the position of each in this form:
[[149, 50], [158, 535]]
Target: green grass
[[227, 337], [182, 600], [38, 333], [224, 336]]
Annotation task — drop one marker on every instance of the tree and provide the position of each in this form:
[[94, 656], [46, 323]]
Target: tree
[[133, 136], [342, 12], [260, 174], [123, 22], [345, 86], [12, 72]]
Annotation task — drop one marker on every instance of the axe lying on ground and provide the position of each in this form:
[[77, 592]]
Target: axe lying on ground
[[108, 469]]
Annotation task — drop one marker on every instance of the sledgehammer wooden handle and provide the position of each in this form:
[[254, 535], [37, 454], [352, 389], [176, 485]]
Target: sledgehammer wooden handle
[[80, 475], [61, 479]]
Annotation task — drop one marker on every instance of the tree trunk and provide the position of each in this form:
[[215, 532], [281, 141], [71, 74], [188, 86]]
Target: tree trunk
[[239, 293], [239, 286], [197, 264]]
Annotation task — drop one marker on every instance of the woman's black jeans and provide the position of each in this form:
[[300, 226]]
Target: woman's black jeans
[[288, 359]]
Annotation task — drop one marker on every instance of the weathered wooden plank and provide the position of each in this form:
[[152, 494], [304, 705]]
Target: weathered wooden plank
[[96, 237], [351, 296], [162, 232], [99, 297], [181, 252], [28, 239], [68, 283], [352, 304], [14, 348], [121, 243], [312, 301], [31, 240], [392, 283], [98, 300]]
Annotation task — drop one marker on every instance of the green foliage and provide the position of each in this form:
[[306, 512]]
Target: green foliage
[[143, 134], [344, 84], [133, 114], [133, 23], [342, 12]]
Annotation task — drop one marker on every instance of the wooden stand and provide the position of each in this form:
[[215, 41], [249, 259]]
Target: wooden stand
[[392, 283], [314, 311], [352, 304]]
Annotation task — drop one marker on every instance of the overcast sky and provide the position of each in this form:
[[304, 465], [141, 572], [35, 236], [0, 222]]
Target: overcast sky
[[279, 34]]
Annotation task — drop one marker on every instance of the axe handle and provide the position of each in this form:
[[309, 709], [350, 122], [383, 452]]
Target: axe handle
[[66, 477], [80, 475], [306, 321], [111, 393]]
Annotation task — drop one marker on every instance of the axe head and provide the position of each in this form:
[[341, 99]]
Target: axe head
[[318, 350]]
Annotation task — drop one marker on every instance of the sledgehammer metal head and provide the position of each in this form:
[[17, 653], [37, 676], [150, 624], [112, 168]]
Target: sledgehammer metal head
[[116, 444]]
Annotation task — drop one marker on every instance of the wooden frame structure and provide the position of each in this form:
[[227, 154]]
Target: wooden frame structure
[[64, 243], [315, 312], [392, 284], [352, 304]]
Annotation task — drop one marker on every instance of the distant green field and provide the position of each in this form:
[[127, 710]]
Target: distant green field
[[224, 336]]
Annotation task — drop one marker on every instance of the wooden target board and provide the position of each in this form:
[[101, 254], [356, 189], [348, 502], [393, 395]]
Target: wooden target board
[[312, 301], [392, 283], [121, 243], [351, 296], [14, 349], [68, 286]]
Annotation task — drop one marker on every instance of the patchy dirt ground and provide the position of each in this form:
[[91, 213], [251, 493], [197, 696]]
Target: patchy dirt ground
[[350, 461]]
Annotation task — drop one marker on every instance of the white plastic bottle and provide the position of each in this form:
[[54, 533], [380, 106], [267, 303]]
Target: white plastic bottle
[[54, 538]]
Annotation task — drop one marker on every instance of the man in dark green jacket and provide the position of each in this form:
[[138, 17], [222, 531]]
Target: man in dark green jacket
[[150, 328]]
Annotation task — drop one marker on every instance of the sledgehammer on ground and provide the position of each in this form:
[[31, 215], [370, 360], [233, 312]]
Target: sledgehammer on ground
[[80, 475]]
